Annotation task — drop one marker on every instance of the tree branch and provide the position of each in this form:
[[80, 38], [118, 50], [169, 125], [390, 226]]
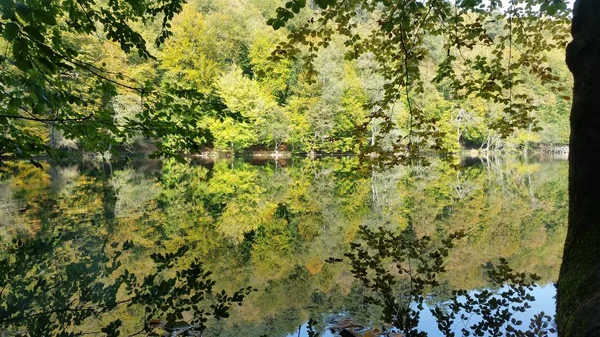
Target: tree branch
[[47, 120]]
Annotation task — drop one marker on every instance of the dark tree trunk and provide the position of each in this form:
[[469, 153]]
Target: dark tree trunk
[[578, 299]]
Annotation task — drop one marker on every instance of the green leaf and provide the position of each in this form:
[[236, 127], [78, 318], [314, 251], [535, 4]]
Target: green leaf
[[20, 52], [45, 17], [24, 12], [470, 3], [8, 7], [11, 30], [34, 33]]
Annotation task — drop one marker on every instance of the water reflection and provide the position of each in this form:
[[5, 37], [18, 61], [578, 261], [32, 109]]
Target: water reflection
[[545, 302], [267, 226]]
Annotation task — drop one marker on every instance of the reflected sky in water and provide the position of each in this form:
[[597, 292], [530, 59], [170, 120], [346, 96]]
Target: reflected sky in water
[[544, 302]]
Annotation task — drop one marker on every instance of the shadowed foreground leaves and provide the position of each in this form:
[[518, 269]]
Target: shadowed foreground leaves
[[44, 292], [399, 273]]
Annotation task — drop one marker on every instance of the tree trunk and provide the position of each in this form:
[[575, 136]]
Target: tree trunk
[[578, 298], [373, 132]]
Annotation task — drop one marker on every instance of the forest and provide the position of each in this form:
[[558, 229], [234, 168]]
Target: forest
[[222, 50]]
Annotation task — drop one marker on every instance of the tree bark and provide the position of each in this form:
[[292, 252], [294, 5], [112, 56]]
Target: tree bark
[[578, 297]]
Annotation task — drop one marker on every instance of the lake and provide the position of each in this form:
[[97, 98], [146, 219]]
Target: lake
[[95, 248]]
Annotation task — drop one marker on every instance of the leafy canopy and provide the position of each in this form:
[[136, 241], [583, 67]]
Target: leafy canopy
[[519, 34], [50, 77]]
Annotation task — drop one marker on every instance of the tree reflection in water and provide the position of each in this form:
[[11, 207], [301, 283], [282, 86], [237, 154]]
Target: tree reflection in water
[[86, 248], [45, 293], [399, 273]]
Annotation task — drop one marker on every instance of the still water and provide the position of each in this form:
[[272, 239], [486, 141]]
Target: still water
[[77, 239]]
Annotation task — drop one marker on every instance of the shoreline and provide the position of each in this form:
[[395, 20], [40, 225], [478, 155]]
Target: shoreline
[[557, 153]]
